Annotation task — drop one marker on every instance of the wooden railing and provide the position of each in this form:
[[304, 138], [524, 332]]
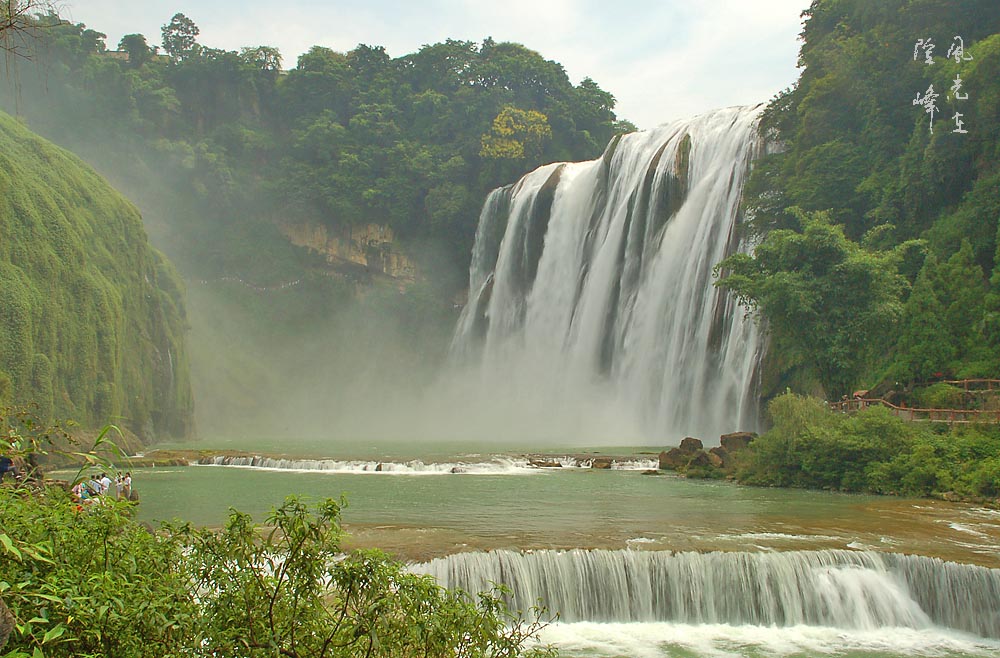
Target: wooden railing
[[922, 415], [975, 384]]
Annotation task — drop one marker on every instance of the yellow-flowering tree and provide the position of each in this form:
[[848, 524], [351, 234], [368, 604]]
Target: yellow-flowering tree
[[516, 134]]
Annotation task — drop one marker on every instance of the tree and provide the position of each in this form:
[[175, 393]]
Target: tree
[[830, 303], [86, 579], [264, 58], [943, 320], [925, 346], [139, 52], [19, 20], [516, 134], [179, 37]]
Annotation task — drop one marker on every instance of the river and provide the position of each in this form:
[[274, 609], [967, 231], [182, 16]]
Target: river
[[641, 564]]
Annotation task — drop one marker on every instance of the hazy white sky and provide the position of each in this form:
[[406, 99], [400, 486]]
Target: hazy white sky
[[662, 59]]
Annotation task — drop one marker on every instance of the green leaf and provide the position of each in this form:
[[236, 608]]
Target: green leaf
[[48, 597], [8, 545], [54, 633], [35, 553]]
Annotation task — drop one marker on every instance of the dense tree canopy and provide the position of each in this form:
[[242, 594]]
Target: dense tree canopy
[[854, 141], [831, 303], [342, 138]]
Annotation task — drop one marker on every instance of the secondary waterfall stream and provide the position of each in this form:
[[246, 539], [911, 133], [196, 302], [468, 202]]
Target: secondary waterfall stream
[[861, 590], [591, 283]]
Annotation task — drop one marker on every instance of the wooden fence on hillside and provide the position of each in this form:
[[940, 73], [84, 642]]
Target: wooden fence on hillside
[[969, 385], [920, 415]]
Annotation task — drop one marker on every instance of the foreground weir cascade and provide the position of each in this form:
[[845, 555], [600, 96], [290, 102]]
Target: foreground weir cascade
[[595, 279], [861, 590]]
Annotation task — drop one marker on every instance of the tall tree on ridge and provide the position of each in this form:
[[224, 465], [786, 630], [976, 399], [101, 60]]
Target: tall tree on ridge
[[179, 37]]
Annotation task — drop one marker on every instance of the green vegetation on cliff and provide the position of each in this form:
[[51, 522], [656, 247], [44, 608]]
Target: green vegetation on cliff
[[91, 317], [878, 262]]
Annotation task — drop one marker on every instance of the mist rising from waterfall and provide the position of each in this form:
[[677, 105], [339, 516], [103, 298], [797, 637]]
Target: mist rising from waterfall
[[591, 308]]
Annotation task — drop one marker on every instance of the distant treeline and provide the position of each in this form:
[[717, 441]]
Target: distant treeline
[[413, 142]]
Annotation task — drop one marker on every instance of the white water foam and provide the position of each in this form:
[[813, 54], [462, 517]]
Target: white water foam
[[499, 465], [663, 640], [960, 527], [778, 536]]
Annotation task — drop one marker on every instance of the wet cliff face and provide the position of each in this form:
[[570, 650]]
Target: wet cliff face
[[370, 246]]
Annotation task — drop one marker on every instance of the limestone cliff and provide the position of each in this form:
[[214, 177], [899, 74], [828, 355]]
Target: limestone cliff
[[372, 246]]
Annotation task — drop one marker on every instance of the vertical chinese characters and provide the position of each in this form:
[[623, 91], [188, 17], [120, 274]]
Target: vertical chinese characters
[[928, 100]]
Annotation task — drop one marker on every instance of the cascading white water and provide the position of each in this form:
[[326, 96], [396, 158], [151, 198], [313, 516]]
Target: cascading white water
[[499, 465], [591, 283], [835, 588]]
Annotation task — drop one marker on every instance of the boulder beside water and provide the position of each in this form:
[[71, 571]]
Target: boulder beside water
[[690, 457], [691, 445], [671, 460], [720, 457], [682, 456], [736, 441]]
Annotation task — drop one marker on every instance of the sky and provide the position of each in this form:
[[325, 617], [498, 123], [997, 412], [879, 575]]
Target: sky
[[661, 59]]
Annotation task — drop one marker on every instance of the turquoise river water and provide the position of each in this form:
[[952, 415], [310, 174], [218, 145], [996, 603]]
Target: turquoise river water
[[648, 565]]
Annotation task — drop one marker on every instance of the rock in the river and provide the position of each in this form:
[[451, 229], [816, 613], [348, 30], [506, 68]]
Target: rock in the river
[[690, 445], [720, 457], [545, 463], [673, 459], [699, 458], [601, 462], [736, 441]]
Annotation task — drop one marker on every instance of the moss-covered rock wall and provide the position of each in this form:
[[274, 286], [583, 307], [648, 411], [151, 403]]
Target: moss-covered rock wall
[[91, 317]]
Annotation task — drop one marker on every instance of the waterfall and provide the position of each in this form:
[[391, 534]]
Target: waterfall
[[591, 283], [834, 588]]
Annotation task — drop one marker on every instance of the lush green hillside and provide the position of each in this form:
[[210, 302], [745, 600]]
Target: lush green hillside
[[91, 317], [879, 265]]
